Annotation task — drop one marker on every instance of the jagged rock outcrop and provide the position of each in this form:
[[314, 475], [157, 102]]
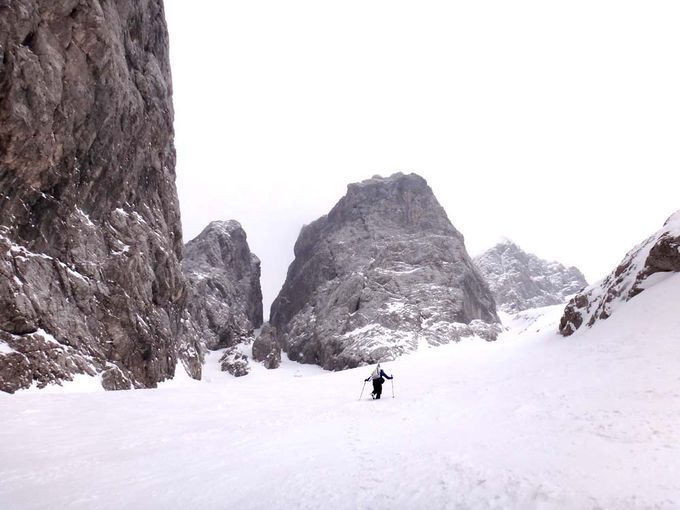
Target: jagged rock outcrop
[[644, 266], [225, 298], [266, 349], [90, 236], [384, 271], [520, 280]]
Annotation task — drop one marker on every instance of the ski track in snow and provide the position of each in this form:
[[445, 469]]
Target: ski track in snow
[[532, 421]]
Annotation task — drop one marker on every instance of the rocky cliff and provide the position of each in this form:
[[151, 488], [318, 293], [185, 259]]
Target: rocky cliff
[[645, 265], [225, 299], [520, 280], [381, 273], [90, 238]]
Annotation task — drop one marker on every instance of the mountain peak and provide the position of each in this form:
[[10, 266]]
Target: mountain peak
[[380, 204], [520, 280], [225, 298], [383, 271], [222, 227]]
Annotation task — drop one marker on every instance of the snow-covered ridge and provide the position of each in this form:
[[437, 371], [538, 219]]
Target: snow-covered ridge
[[646, 265]]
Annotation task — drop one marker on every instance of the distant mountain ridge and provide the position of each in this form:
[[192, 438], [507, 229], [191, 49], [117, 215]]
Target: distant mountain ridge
[[521, 280]]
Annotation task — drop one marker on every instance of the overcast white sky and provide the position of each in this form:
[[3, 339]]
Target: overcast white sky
[[555, 124]]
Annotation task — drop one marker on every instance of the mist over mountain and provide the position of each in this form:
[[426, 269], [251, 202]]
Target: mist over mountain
[[98, 290]]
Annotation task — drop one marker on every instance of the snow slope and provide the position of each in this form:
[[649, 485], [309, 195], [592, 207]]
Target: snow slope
[[533, 420], [653, 260]]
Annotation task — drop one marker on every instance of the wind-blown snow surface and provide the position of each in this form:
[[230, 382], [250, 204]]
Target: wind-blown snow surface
[[533, 420]]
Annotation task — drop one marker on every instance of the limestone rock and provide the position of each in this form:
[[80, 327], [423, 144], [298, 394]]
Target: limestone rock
[[520, 280], [266, 349], [225, 298], [642, 267], [234, 362], [90, 236], [383, 272]]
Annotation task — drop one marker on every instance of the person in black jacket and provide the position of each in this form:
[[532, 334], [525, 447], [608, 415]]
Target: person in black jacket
[[377, 377]]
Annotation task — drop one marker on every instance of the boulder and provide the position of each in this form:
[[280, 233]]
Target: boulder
[[234, 362]]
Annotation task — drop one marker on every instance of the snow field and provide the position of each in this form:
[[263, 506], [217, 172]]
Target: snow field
[[532, 421]]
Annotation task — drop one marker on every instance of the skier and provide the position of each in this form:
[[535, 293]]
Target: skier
[[377, 377]]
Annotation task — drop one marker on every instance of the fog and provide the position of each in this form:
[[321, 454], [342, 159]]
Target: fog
[[553, 124]]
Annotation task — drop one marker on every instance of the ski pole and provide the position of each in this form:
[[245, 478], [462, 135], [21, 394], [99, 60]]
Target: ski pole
[[392, 387], [362, 390]]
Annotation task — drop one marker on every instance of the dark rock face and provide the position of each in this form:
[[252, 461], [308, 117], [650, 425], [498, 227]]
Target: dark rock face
[[520, 280], [90, 237], [266, 349], [384, 271], [658, 254], [225, 299]]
